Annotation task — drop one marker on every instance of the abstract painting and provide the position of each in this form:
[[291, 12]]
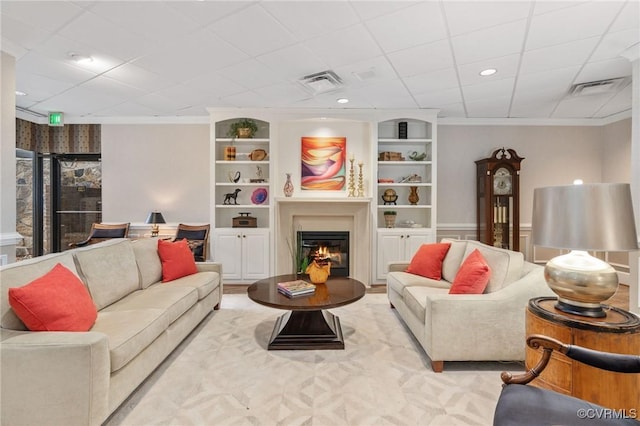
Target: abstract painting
[[323, 163]]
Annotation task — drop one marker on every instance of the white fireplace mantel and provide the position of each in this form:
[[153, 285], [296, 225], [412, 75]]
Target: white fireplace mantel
[[352, 214]]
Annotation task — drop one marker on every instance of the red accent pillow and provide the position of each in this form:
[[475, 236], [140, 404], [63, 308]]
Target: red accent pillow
[[427, 261], [473, 275], [177, 259], [57, 301]]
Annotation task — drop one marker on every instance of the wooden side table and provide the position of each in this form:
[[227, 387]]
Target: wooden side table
[[618, 332]]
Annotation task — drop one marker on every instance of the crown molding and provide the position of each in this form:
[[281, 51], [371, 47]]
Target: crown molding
[[455, 121]]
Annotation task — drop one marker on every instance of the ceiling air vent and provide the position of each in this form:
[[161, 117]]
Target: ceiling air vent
[[321, 82], [599, 87]]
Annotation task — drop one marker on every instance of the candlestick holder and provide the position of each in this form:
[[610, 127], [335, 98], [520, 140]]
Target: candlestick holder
[[352, 180], [360, 182]]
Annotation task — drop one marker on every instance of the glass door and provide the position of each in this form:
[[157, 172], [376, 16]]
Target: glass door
[[76, 196]]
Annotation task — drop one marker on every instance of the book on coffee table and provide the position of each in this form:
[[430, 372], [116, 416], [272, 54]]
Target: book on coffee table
[[296, 288]]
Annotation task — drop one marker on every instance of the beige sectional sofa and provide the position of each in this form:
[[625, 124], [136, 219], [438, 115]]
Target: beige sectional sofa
[[468, 327], [80, 378]]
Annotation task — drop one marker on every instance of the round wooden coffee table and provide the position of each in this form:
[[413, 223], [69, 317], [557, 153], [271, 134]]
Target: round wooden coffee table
[[308, 325]]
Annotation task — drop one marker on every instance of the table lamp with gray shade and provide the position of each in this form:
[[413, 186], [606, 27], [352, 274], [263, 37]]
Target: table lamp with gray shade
[[591, 217], [155, 218]]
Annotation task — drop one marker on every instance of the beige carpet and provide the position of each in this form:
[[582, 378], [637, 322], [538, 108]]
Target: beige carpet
[[223, 375]]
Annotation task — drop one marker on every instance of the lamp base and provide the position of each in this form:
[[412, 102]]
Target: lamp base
[[585, 311]]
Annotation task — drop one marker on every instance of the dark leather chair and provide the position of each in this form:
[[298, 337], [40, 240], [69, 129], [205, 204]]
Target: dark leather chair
[[101, 232], [197, 237], [522, 405]]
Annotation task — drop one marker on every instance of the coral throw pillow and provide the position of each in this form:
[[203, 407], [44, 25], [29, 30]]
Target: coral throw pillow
[[473, 275], [427, 261], [57, 301], [177, 259]]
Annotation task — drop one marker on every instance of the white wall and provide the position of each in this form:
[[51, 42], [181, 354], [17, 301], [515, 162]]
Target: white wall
[[554, 155], [8, 157], [616, 142], [155, 166]]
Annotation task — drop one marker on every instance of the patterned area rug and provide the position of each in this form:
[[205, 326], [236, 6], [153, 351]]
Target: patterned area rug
[[223, 375]]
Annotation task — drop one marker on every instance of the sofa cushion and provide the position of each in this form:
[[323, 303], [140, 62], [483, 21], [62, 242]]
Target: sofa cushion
[[20, 273], [148, 260], [397, 281], [506, 265], [129, 332], [109, 269], [203, 282], [57, 301], [416, 299], [453, 259], [427, 261], [473, 275], [177, 259], [175, 301]]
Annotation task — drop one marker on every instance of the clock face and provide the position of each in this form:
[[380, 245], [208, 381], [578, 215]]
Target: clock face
[[502, 182]]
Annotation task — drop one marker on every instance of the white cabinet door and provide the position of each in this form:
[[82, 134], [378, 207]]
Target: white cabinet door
[[228, 251], [244, 253], [255, 254], [398, 245]]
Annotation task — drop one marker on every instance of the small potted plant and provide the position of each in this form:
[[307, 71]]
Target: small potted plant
[[244, 128], [390, 218]]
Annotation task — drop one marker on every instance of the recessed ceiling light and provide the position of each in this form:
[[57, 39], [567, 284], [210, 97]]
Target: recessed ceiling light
[[20, 93], [488, 72], [342, 100], [80, 58]]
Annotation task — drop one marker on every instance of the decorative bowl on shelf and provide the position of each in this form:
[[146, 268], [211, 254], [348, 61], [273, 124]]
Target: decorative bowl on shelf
[[259, 196]]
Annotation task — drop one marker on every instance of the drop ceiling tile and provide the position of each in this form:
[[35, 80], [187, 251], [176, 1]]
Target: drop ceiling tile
[[621, 102], [313, 18], [345, 46], [613, 44], [434, 99], [547, 82], [585, 20], [391, 95], [185, 95], [38, 64], [540, 7], [559, 56], [282, 94], [80, 101], [488, 108], [253, 31], [39, 87], [580, 106], [431, 81], [48, 15], [135, 76], [248, 99], [507, 67], [215, 84], [100, 36], [408, 27], [602, 70], [495, 42], [206, 12], [24, 35], [629, 18], [421, 59], [162, 103], [132, 109], [293, 62], [367, 72], [154, 20], [467, 16], [532, 109], [251, 74], [373, 9], [452, 110], [490, 89], [113, 87]]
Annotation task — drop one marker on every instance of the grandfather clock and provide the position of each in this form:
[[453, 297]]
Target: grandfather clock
[[498, 194]]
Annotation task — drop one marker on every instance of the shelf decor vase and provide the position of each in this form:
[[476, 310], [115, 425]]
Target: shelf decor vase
[[318, 274], [288, 186], [390, 220], [413, 195]]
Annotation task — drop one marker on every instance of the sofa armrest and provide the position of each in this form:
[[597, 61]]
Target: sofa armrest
[[399, 266], [54, 377], [210, 267]]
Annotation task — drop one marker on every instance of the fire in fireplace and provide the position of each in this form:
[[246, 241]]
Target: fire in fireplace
[[331, 245]]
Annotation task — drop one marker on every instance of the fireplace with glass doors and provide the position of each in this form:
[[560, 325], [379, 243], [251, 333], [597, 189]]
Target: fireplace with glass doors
[[332, 245]]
